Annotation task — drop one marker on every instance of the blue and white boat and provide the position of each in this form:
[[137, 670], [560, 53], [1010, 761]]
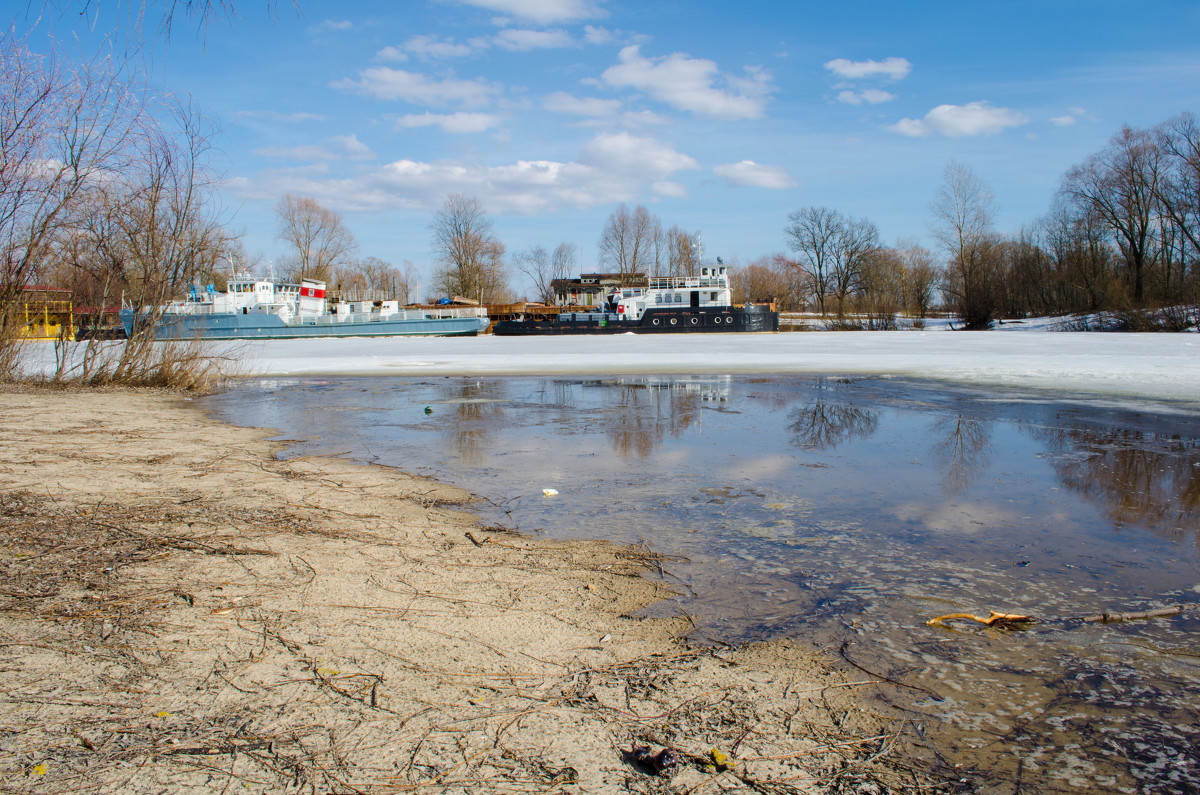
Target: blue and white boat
[[262, 309]]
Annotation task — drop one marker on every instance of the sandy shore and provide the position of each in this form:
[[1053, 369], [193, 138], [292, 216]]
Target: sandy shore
[[181, 610]]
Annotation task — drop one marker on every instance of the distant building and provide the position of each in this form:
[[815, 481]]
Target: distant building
[[595, 289]]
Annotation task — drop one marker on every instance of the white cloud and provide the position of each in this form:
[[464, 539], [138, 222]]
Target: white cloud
[[892, 68], [390, 53], [635, 155], [451, 123], [689, 84], [643, 118], [872, 96], [595, 35], [272, 115], [611, 168], [755, 175], [350, 147], [303, 152], [562, 102], [433, 47], [958, 121], [526, 40], [341, 147], [1062, 121], [331, 26], [383, 82], [543, 12]]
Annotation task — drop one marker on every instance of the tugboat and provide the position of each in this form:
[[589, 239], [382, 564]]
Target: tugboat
[[666, 305], [261, 309]]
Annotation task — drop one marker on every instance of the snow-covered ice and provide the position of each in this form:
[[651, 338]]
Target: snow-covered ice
[[1160, 367], [1154, 366]]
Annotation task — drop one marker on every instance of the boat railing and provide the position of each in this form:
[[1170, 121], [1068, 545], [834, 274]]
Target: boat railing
[[377, 317], [688, 282], [443, 311]]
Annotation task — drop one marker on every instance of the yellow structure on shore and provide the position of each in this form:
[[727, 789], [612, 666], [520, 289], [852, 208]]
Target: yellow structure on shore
[[45, 313]]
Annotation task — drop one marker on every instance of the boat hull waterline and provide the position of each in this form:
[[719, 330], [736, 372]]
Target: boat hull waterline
[[262, 326], [653, 321]]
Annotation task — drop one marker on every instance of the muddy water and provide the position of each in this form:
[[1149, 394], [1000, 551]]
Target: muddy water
[[848, 512]]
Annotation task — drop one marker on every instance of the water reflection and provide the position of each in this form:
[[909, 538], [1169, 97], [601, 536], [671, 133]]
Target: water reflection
[[825, 424], [647, 411], [1141, 479], [851, 510], [962, 450], [477, 410]]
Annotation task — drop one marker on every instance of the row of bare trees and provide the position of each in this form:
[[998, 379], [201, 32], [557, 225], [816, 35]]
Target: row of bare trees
[[106, 187], [321, 246], [1123, 236], [633, 242], [470, 258]]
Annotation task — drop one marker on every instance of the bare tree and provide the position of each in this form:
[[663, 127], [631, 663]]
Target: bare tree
[[543, 268], [1179, 190], [161, 230], [61, 131], [963, 210], [319, 237], [1122, 186], [881, 288], [1082, 256], [921, 278], [812, 233], [763, 281], [855, 244], [683, 252], [470, 257], [630, 241], [563, 263]]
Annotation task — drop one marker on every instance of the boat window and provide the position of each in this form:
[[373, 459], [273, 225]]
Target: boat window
[[713, 297], [679, 298]]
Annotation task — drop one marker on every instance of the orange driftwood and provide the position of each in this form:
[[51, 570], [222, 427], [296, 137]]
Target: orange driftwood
[[992, 619]]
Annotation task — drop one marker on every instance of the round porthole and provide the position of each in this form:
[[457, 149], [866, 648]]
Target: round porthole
[[695, 321], [673, 321], [654, 321]]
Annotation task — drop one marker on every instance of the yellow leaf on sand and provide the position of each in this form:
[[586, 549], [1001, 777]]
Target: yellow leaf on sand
[[722, 760], [41, 769], [327, 671], [162, 714]]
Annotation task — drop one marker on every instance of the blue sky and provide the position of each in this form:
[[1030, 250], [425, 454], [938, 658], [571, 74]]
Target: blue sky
[[719, 117]]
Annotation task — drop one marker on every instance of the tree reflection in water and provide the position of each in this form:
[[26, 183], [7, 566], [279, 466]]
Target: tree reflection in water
[[1138, 478], [648, 411], [962, 451], [824, 424], [478, 411]]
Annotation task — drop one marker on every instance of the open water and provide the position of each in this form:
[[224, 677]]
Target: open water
[[846, 512]]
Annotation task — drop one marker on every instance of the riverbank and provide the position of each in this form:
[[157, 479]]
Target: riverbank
[[181, 609]]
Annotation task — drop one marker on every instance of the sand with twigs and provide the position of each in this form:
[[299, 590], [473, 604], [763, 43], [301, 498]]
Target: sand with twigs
[[181, 610]]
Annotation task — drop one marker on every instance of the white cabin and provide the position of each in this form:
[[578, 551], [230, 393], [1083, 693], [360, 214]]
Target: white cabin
[[245, 295], [709, 290]]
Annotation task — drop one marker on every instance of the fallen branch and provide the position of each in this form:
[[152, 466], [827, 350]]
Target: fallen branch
[[1108, 618]]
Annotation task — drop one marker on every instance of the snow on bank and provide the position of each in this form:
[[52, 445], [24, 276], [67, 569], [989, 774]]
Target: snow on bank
[[1152, 366], [1158, 367]]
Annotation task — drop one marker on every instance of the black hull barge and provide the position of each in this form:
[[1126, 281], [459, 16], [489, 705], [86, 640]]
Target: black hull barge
[[653, 321], [666, 305]]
